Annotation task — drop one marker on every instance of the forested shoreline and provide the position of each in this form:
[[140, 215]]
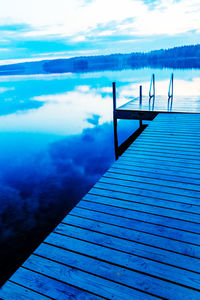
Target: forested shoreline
[[178, 58]]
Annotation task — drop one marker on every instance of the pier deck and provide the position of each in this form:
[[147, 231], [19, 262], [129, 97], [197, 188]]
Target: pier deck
[[179, 104], [135, 235]]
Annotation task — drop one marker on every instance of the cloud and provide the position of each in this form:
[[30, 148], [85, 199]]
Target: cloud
[[5, 89], [93, 119], [80, 27], [64, 113], [78, 19]]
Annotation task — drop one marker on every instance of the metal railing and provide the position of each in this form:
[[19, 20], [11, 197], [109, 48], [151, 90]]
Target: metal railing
[[171, 92], [152, 86], [171, 87], [152, 92]]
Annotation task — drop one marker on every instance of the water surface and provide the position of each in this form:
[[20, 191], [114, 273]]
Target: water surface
[[56, 141]]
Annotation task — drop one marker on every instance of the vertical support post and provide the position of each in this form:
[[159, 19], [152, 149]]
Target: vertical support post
[[140, 96], [140, 103], [115, 121]]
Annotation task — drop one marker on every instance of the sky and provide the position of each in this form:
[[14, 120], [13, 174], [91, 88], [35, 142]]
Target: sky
[[41, 29]]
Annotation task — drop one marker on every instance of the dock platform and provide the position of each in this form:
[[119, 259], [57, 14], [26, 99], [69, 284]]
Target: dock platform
[[148, 109], [136, 234]]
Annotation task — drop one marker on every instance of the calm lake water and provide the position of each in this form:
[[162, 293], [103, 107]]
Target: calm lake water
[[56, 141]]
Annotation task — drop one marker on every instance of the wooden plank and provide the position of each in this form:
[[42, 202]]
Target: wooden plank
[[146, 192], [152, 184], [97, 285], [131, 115], [128, 181], [159, 170], [161, 143], [134, 214], [13, 291], [162, 150], [141, 177], [115, 195], [143, 281], [192, 160], [170, 169], [172, 137], [173, 131], [152, 247], [184, 165], [52, 288], [149, 173], [136, 262], [162, 157], [179, 105], [140, 225], [149, 207], [92, 265]]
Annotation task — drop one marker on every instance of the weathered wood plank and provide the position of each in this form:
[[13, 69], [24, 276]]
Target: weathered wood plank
[[146, 172], [158, 151], [164, 158], [172, 137], [92, 265], [152, 184], [184, 165], [92, 283], [141, 225], [134, 190], [154, 218], [158, 170], [50, 287], [151, 247], [150, 207], [134, 234], [188, 172], [13, 291], [164, 143], [137, 262], [143, 281], [179, 105], [113, 173], [117, 197]]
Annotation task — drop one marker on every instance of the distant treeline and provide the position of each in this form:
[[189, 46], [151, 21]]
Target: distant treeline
[[179, 57]]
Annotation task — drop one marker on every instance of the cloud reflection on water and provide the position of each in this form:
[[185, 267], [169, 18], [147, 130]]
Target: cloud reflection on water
[[56, 141], [37, 192]]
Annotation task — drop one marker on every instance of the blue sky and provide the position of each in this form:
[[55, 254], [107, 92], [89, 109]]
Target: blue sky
[[40, 29]]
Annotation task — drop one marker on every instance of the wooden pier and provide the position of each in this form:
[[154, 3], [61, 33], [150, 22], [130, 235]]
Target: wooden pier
[[135, 235]]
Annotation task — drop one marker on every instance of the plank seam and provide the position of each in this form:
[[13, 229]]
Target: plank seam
[[137, 230], [145, 176], [82, 270], [134, 201], [66, 283], [140, 243], [19, 284], [145, 189], [154, 276], [142, 221], [134, 176]]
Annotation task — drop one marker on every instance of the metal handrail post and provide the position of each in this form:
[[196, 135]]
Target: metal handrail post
[[152, 83], [171, 86], [171, 92]]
